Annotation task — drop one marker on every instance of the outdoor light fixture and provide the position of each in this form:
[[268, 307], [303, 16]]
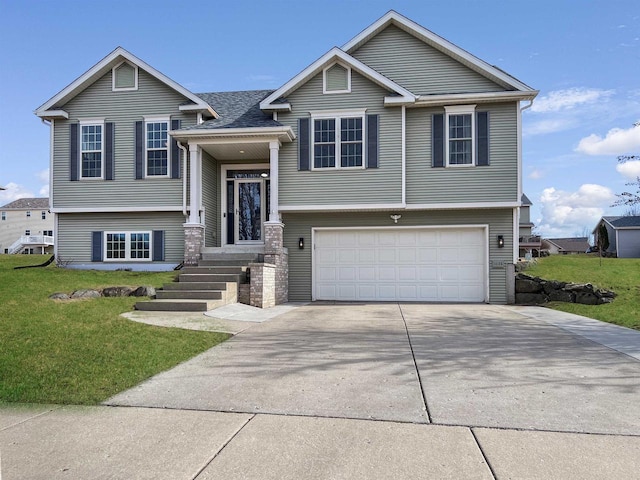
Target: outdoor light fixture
[[500, 241], [301, 243], [395, 218], [264, 174]]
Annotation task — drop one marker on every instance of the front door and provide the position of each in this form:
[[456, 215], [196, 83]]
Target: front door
[[249, 210]]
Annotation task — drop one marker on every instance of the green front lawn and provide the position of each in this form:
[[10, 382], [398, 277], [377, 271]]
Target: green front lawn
[[80, 351], [622, 275]]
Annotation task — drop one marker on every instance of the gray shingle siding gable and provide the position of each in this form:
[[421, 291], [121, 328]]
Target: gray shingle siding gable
[[418, 67], [123, 108]]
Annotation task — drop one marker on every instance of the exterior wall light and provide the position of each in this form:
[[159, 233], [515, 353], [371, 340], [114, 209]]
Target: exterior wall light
[[395, 218], [301, 243], [500, 241]]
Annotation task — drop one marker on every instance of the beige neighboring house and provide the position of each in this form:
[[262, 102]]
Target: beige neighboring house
[[566, 246], [529, 244], [26, 226]]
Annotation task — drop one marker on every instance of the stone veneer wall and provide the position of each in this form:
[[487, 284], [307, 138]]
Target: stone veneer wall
[[262, 292], [193, 243], [277, 255]]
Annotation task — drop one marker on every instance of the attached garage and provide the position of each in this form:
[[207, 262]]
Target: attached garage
[[429, 264]]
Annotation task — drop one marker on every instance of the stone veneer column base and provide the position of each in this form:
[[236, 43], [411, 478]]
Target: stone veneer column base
[[193, 243], [276, 254]]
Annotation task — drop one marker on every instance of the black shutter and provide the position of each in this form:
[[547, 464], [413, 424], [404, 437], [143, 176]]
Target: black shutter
[[303, 144], [175, 152], [96, 246], [108, 151], [139, 150], [482, 145], [372, 141], [158, 245], [74, 158], [438, 140]]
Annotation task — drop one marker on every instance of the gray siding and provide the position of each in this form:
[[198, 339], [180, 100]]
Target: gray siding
[[298, 225], [211, 199], [74, 232], [628, 243], [497, 182], [418, 67], [332, 187], [336, 78], [124, 109]]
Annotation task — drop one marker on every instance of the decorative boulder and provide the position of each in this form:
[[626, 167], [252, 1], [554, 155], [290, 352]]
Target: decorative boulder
[[59, 296], [144, 291], [530, 298], [85, 294], [561, 296], [117, 291], [587, 298], [527, 285]]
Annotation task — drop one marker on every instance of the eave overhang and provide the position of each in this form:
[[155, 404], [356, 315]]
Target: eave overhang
[[402, 95], [101, 68], [52, 114], [284, 134], [464, 98]]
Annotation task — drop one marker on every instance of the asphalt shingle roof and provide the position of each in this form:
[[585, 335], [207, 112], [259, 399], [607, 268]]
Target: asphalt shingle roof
[[627, 221], [27, 203], [573, 244], [237, 110]]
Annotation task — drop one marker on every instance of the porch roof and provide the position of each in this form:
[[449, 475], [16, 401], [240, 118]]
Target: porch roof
[[236, 110]]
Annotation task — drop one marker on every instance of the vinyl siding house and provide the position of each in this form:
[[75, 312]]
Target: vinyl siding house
[[26, 227], [389, 169], [623, 233]]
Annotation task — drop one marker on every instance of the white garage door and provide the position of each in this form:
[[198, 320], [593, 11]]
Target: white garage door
[[400, 264]]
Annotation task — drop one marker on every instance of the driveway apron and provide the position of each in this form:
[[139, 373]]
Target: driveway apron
[[350, 361], [488, 366]]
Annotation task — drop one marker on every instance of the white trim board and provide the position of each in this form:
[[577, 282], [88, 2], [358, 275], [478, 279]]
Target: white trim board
[[397, 206], [118, 209]]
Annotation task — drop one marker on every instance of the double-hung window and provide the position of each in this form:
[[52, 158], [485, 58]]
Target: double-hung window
[[133, 246], [157, 151], [338, 140], [460, 141], [91, 146]]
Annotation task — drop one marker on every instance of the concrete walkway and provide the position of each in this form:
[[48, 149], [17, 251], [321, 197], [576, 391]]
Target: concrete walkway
[[360, 391]]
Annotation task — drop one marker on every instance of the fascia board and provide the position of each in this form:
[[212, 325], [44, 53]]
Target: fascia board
[[436, 41], [50, 114], [462, 98], [334, 54], [105, 65], [239, 132]]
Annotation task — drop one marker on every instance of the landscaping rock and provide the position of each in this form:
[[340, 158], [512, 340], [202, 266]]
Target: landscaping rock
[[531, 298], [59, 296], [117, 291], [144, 291], [527, 285], [561, 296], [550, 286], [587, 298], [85, 294]]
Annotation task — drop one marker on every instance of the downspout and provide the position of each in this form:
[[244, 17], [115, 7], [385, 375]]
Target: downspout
[[184, 178], [516, 219], [50, 124]]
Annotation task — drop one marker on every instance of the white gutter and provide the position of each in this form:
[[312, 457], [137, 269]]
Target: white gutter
[[516, 216]]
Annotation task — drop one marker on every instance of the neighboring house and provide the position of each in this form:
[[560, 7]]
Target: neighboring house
[[26, 226], [623, 234], [530, 244], [388, 169], [566, 246]]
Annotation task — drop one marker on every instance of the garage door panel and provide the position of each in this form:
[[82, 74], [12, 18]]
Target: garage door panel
[[421, 264]]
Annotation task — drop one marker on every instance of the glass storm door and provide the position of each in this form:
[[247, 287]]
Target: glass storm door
[[249, 210]]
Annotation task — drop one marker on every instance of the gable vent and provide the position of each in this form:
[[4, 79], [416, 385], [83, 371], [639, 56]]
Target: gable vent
[[337, 79], [125, 77]]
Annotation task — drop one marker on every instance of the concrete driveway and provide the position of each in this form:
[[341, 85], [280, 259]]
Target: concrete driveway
[[468, 365]]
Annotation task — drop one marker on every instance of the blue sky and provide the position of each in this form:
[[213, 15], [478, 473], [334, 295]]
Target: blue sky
[[583, 56]]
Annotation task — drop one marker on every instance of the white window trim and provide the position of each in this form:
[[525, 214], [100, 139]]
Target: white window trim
[[124, 89], [127, 257], [337, 115], [324, 79], [460, 110], [147, 121], [87, 122], [4, 215]]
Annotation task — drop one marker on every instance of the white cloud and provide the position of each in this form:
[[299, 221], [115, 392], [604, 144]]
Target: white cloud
[[548, 126], [43, 176], [536, 174], [630, 169], [565, 213], [618, 141], [568, 99], [13, 192]]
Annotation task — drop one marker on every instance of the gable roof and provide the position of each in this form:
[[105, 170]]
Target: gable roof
[[402, 95], [52, 108], [623, 222], [572, 244], [480, 66], [525, 200], [27, 203]]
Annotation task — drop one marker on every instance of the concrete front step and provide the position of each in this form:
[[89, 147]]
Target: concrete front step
[[241, 257], [238, 269], [195, 286], [189, 294], [229, 263], [211, 277], [178, 305]]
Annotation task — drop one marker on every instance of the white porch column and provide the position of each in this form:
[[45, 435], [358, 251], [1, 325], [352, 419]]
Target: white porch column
[[274, 150], [195, 178]]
